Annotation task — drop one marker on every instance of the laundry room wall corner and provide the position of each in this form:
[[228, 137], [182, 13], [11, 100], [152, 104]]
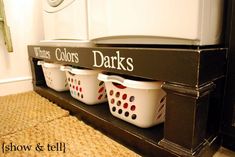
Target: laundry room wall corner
[[25, 21]]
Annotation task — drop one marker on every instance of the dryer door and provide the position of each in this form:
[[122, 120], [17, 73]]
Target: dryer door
[[51, 6], [54, 3], [66, 21]]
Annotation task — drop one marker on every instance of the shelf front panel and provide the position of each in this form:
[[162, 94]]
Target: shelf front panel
[[191, 67]]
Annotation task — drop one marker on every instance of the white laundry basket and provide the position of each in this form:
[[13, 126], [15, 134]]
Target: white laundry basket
[[139, 102], [55, 78], [84, 85]]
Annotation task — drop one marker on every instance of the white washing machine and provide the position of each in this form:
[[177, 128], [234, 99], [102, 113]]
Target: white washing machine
[[65, 19], [190, 22]]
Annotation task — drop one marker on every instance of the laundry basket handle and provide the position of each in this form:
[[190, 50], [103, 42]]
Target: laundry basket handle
[[116, 79], [66, 68], [40, 62]]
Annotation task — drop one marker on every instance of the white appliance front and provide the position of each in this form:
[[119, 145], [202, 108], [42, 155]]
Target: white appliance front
[[191, 22], [65, 19]]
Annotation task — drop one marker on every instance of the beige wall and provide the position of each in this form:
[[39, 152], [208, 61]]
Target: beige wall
[[25, 21]]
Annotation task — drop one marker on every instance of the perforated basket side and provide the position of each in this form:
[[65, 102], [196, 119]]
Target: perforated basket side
[[137, 106], [86, 88], [55, 78]]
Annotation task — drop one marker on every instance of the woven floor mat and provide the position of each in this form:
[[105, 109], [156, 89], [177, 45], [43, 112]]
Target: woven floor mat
[[21, 111], [69, 137]]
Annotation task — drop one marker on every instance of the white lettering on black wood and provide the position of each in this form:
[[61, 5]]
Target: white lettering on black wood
[[42, 53], [64, 55], [112, 62]]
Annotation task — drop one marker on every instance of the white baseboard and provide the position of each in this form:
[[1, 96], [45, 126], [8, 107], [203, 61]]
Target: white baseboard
[[15, 85]]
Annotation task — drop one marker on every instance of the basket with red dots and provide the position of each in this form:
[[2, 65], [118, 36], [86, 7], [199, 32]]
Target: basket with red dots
[[84, 85], [138, 101], [54, 78]]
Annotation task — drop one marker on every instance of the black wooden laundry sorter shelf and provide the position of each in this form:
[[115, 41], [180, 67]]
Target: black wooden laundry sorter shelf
[[193, 78]]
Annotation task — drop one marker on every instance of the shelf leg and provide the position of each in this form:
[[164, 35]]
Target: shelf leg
[[186, 118]]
